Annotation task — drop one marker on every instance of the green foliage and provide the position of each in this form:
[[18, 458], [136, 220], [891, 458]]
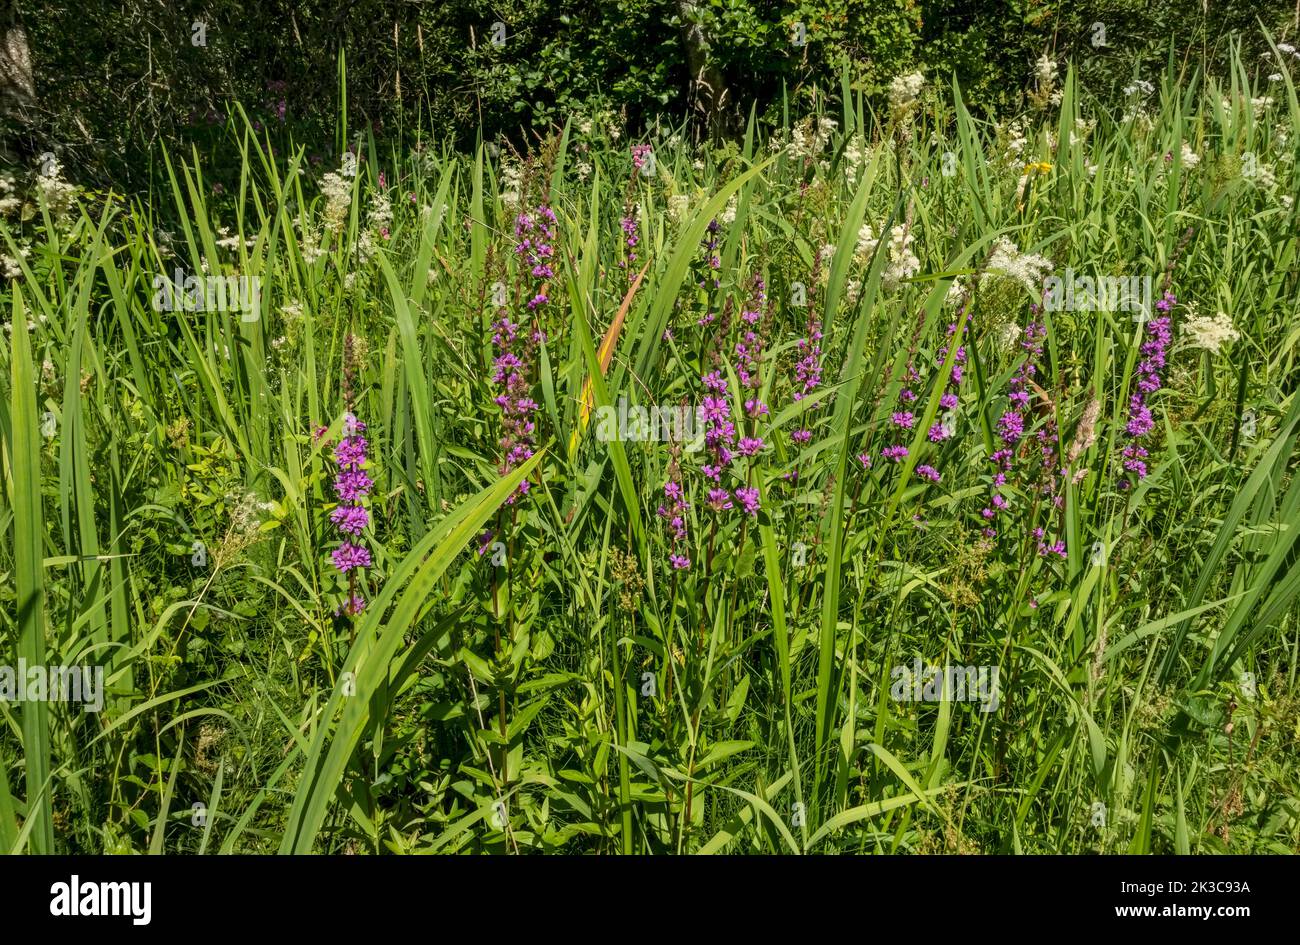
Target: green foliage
[[540, 670]]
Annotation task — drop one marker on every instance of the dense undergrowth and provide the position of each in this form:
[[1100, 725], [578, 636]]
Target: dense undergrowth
[[383, 561]]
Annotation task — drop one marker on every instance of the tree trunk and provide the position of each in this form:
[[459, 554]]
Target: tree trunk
[[17, 86], [708, 89]]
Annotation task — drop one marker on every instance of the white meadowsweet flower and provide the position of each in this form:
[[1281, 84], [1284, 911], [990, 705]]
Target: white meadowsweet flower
[[1190, 158], [956, 293], [1007, 334], [338, 200], [677, 207], [728, 215], [1045, 71], [1210, 332], [867, 241], [905, 92], [53, 192], [903, 263], [512, 182], [1026, 268]]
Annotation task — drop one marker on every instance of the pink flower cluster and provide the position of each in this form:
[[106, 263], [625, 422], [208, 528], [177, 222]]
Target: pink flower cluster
[[350, 516], [516, 345], [1011, 425], [938, 432], [1140, 421]]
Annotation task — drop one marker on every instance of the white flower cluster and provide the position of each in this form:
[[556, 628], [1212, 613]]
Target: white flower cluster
[[956, 293], [233, 242], [337, 191], [678, 204], [728, 215], [866, 243], [825, 255], [1008, 261], [381, 211], [903, 263], [854, 157], [807, 139], [53, 192], [512, 182], [1210, 332], [905, 93], [1045, 72], [9, 199]]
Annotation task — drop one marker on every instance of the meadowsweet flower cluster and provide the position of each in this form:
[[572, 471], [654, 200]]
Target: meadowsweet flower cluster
[[337, 191], [1210, 332], [903, 263], [1028, 269], [905, 94], [53, 192]]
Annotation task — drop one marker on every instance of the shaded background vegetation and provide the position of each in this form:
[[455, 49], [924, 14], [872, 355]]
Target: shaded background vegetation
[[112, 78]]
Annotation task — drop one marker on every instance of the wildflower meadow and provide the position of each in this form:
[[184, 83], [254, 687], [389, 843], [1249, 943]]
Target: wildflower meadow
[[883, 478]]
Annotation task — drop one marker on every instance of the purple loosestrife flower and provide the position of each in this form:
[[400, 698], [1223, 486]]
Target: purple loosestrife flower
[[928, 472], [808, 370], [628, 224], [1011, 425], [350, 517], [516, 346], [1140, 421], [719, 431], [748, 497], [352, 486], [639, 154], [749, 350], [348, 556], [351, 452], [807, 373], [897, 453], [673, 510], [353, 606]]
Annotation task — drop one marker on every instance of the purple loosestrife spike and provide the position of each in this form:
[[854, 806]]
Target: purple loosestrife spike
[[348, 556], [352, 519]]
